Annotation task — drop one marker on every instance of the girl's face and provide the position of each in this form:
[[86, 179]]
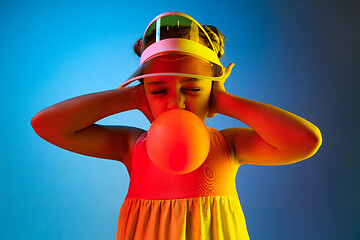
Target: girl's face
[[173, 92]]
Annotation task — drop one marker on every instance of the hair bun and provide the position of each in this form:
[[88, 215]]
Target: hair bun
[[138, 47], [217, 39]]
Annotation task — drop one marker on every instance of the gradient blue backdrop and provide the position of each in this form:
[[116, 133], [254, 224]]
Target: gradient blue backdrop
[[302, 56]]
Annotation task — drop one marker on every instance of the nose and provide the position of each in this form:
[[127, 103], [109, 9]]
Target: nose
[[176, 101]]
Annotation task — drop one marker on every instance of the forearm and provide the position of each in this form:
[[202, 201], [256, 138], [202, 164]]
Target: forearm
[[80, 112], [281, 129]]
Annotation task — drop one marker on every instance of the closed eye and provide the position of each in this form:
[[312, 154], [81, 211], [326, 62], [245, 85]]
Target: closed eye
[[192, 89], [158, 92]]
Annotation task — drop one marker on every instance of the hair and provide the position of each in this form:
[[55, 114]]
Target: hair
[[217, 39]]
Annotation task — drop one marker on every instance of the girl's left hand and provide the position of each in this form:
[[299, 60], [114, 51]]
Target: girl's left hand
[[218, 88]]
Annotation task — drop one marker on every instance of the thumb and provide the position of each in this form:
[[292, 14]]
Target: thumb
[[229, 69]]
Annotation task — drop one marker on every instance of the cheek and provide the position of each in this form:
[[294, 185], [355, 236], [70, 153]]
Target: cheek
[[156, 106], [207, 95], [202, 102], [207, 99]]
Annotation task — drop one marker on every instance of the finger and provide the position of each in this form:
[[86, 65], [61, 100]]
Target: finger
[[229, 69]]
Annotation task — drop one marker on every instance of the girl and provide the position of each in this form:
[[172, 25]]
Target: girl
[[180, 69]]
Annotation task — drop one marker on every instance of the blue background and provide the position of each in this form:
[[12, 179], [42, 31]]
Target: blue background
[[302, 56]]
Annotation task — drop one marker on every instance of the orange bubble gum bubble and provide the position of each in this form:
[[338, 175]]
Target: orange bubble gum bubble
[[178, 141]]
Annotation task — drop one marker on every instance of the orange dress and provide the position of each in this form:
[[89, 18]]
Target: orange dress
[[202, 204]]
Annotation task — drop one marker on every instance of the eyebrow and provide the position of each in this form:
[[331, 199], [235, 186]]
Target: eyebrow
[[156, 83], [189, 80]]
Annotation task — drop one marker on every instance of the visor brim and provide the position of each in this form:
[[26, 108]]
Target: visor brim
[[131, 80], [177, 64]]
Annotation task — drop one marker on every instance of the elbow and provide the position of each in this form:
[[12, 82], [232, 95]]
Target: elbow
[[305, 147], [36, 123], [311, 144], [316, 141], [39, 124]]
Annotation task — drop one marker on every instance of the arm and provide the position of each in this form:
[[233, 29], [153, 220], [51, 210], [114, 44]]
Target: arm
[[276, 136], [71, 124]]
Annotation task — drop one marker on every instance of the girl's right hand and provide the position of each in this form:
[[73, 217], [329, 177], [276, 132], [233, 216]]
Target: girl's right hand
[[143, 104]]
